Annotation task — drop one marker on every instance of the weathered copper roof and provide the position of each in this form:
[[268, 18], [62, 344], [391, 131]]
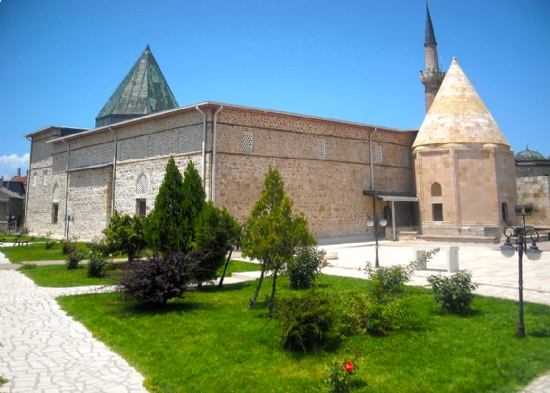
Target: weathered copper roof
[[458, 115], [143, 91], [429, 36], [529, 155]]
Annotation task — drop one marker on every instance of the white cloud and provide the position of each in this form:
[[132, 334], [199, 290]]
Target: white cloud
[[9, 165]]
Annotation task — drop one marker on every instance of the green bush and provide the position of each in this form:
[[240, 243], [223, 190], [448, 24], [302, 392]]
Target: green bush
[[364, 313], [155, 280], [74, 258], [307, 264], [97, 264], [306, 320], [50, 244], [454, 293], [68, 247]]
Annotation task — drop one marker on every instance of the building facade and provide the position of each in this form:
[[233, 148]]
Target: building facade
[[453, 177]]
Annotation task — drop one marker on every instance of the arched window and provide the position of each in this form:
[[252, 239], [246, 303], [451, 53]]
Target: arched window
[[141, 187], [436, 189], [55, 193], [505, 212]]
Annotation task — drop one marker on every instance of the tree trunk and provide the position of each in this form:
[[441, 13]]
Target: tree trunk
[[272, 299], [220, 284], [253, 300]]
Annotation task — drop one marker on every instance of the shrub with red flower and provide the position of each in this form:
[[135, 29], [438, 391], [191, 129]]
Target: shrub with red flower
[[339, 372]]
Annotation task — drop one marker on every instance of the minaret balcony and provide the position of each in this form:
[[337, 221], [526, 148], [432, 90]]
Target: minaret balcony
[[432, 76]]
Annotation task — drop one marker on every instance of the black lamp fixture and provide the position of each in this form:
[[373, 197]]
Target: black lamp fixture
[[377, 218], [533, 253]]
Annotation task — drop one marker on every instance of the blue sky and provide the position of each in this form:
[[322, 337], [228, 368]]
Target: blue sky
[[355, 60]]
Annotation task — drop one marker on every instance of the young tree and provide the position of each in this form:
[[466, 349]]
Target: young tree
[[216, 231], [192, 205], [272, 233], [170, 225], [125, 234], [162, 226]]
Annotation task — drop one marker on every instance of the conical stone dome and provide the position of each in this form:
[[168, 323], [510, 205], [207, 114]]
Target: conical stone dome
[[458, 115]]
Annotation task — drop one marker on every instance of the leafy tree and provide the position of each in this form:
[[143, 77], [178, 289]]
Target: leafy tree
[[170, 225], [216, 231], [125, 235], [272, 233]]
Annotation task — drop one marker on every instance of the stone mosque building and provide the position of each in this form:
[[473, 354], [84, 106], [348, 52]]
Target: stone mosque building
[[455, 176]]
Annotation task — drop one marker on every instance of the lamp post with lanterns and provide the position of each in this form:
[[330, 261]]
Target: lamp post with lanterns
[[533, 253], [377, 218], [69, 219]]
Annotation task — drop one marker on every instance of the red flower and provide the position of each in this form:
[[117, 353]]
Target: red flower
[[349, 366]]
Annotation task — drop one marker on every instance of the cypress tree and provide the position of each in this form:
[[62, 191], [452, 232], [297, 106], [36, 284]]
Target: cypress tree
[[162, 226]]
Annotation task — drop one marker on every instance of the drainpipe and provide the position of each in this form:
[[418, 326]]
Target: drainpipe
[[66, 187], [214, 155], [113, 180], [203, 149], [371, 160], [28, 184]]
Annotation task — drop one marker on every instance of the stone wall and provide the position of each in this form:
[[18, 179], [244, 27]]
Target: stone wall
[[325, 165], [535, 191]]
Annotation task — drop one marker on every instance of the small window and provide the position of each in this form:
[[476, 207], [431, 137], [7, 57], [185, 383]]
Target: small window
[[436, 190], [141, 207], [505, 212], [378, 154], [151, 147], [437, 211], [181, 148], [44, 177], [141, 187], [321, 152], [34, 174], [123, 153], [95, 159], [55, 213], [248, 142], [55, 193], [404, 160]]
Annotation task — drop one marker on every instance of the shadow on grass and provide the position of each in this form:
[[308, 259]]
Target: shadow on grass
[[545, 333]]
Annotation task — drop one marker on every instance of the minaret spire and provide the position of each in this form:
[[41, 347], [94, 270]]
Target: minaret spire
[[432, 77]]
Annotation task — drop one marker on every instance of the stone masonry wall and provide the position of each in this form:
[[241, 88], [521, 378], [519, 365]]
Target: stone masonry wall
[[327, 186], [327, 189], [535, 191]]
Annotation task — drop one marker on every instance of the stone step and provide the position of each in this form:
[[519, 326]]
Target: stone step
[[459, 239]]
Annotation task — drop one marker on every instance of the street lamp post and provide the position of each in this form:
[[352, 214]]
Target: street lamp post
[[378, 218], [69, 220], [533, 253]]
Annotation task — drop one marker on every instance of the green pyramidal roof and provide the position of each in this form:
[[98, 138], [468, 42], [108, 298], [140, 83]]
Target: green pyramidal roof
[[143, 91]]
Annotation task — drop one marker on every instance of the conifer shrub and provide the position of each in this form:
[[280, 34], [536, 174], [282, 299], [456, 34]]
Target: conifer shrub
[[216, 231], [306, 320], [306, 266], [49, 244], [454, 293], [155, 280]]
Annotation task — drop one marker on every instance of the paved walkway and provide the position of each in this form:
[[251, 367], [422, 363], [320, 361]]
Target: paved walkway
[[44, 350]]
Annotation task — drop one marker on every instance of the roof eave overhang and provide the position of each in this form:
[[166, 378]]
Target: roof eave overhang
[[388, 196]]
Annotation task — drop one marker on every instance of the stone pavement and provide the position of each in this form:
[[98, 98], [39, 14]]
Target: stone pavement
[[44, 350]]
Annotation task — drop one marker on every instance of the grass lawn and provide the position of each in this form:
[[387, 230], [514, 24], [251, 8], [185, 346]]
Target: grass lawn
[[210, 342], [60, 276], [34, 252]]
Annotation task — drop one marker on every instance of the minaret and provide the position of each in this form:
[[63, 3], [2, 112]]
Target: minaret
[[431, 77]]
